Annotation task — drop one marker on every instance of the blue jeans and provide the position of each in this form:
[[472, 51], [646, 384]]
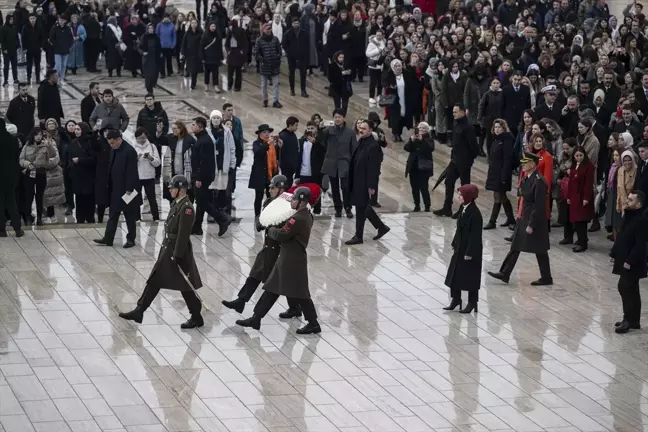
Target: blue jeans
[[60, 64]]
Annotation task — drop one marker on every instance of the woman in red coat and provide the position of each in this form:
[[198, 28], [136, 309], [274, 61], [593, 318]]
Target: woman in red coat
[[580, 199]]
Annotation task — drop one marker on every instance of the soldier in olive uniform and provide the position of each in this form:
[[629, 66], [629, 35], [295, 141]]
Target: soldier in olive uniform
[[175, 267], [531, 233], [289, 277], [266, 258]]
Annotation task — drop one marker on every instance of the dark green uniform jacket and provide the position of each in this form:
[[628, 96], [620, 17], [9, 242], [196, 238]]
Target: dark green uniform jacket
[[267, 257], [177, 245], [534, 215]]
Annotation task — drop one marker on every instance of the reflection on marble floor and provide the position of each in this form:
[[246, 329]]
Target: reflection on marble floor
[[388, 359]]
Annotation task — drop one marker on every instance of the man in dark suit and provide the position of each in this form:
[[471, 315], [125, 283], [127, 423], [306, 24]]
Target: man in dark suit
[[49, 98], [641, 182], [629, 124], [89, 102], [515, 99], [296, 44], [612, 92], [9, 174], [641, 96], [364, 171], [549, 108], [123, 182], [464, 151], [289, 151], [21, 110], [311, 158]]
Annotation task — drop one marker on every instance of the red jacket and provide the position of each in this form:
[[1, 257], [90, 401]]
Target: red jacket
[[581, 188], [427, 6]]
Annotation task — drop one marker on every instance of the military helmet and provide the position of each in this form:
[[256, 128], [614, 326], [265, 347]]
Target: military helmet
[[279, 181], [302, 194], [179, 182]]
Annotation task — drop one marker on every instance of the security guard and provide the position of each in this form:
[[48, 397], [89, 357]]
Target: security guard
[[532, 229], [289, 277], [175, 267], [265, 259]]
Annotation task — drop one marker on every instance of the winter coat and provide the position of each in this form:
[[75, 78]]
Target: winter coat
[[167, 34], [236, 56], [9, 37], [211, 48], [452, 91], [102, 172], [490, 108], [440, 114], [500, 163], [111, 115], [472, 96], [267, 256], [224, 155], [268, 54], [82, 174], [374, 53], [88, 104], [259, 178], [49, 102], [364, 170], [21, 114], [113, 54], [534, 192], [124, 176], [75, 60], [289, 152], [33, 38], [340, 143], [145, 167], [296, 44], [168, 171], [581, 188], [317, 154], [132, 57], [191, 50], [203, 163], [464, 144], [339, 84], [289, 276], [151, 51], [591, 145], [9, 162], [149, 119], [61, 39], [630, 245], [45, 157], [545, 169], [357, 41], [467, 241], [417, 150], [514, 103]]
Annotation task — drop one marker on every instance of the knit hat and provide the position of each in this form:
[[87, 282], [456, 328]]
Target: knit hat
[[216, 113], [469, 192]]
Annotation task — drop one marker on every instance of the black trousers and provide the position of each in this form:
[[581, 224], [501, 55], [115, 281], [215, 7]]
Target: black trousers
[[367, 212], [268, 300], [35, 187], [130, 211], [338, 183], [211, 69], [248, 289], [473, 296], [8, 207], [194, 79], [101, 211], [150, 292], [150, 81], [358, 66], [375, 83], [33, 61], [454, 173], [234, 77], [258, 199], [204, 14], [69, 194], [167, 54], [419, 183], [318, 181], [149, 187], [10, 58], [543, 263], [341, 102], [630, 298], [85, 208], [290, 175], [204, 204], [91, 48], [293, 65]]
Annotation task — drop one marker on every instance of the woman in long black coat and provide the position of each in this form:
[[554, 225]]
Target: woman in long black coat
[[102, 174], [237, 47], [191, 51], [490, 108], [211, 53], [464, 271], [401, 113], [500, 172], [151, 51], [112, 38], [82, 163], [133, 56], [339, 77], [420, 166]]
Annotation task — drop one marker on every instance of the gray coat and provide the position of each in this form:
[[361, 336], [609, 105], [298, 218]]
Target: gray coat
[[113, 116], [340, 143], [534, 215]]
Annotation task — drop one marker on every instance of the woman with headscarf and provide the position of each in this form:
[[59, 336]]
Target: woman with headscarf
[[490, 108], [115, 47], [211, 53], [308, 22], [81, 167], [434, 75], [151, 50], [339, 77], [191, 51], [75, 60], [236, 46], [420, 165], [132, 35], [464, 271], [399, 83], [225, 149]]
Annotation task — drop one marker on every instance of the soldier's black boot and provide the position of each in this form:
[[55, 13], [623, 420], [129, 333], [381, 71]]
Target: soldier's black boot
[[291, 312], [254, 322], [136, 315], [193, 322], [237, 304], [312, 327]]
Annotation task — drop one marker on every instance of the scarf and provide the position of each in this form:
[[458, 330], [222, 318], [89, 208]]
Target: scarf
[[454, 76], [612, 173], [271, 158], [116, 31], [75, 28], [499, 89]]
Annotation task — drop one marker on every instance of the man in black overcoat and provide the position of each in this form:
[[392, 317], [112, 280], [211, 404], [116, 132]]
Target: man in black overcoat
[[49, 98], [9, 174], [641, 181], [515, 99], [531, 233], [90, 102], [289, 277], [123, 180], [629, 254], [175, 267], [21, 111], [266, 258], [464, 151], [296, 44], [549, 108], [364, 171]]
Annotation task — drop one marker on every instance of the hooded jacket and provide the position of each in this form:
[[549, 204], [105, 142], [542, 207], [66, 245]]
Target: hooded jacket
[[146, 167], [9, 36], [112, 116], [374, 52], [167, 34], [149, 118]]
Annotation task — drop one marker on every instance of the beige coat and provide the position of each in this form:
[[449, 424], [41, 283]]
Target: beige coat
[[44, 156], [625, 184]]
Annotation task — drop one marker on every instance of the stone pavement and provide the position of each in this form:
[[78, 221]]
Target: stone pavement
[[388, 359]]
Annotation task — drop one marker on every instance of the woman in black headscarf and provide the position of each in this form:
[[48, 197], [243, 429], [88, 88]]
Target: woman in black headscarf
[[151, 51], [82, 163]]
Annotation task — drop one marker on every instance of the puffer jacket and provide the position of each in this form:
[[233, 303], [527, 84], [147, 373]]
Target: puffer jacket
[[146, 167], [374, 53], [268, 54], [45, 156]]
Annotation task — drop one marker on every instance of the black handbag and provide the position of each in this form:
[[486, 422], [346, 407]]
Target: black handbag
[[425, 165], [387, 100]]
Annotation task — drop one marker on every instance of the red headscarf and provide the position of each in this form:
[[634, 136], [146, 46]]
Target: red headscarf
[[469, 192]]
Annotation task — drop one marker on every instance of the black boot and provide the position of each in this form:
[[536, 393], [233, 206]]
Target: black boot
[[469, 308], [136, 315], [291, 313], [493, 217], [508, 211], [254, 322], [193, 322], [312, 327], [453, 304], [237, 304]]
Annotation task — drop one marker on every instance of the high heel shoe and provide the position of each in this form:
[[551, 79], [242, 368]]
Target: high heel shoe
[[453, 305], [469, 308]]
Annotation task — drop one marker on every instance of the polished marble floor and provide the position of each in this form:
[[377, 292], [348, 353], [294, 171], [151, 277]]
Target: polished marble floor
[[388, 359]]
